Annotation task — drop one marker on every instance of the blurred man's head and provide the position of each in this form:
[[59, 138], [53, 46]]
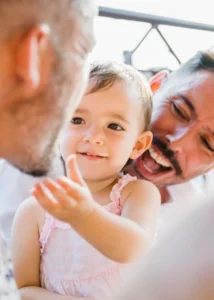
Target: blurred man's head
[[183, 123], [43, 72]]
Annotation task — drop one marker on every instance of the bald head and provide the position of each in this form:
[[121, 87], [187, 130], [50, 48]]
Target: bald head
[[65, 19], [43, 58]]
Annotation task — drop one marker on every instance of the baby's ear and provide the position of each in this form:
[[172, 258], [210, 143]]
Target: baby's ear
[[157, 80], [142, 144]]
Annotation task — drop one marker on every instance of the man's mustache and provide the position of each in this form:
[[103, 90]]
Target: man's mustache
[[169, 154]]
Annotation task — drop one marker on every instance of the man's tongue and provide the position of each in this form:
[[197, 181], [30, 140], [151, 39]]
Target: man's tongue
[[150, 163]]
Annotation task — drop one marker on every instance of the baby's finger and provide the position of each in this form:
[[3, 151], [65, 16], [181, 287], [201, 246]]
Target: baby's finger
[[73, 171], [56, 190], [73, 189], [59, 193], [44, 197]]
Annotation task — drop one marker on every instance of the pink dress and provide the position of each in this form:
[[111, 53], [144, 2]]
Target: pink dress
[[72, 266]]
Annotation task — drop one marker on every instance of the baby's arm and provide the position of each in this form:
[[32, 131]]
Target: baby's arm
[[121, 239], [125, 238], [37, 293], [26, 252]]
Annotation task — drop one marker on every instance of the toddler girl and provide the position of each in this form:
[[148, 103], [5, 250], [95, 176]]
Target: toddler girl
[[97, 219]]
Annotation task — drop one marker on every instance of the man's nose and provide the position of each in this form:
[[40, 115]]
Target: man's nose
[[179, 139]]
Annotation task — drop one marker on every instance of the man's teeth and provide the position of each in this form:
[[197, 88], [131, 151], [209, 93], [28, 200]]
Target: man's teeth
[[158, 158]]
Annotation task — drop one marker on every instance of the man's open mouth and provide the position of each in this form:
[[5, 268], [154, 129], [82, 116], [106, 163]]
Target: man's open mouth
[[153, 162]]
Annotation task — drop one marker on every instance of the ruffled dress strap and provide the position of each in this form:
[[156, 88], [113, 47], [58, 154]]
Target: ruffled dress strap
[[50, 223], [117, 189]]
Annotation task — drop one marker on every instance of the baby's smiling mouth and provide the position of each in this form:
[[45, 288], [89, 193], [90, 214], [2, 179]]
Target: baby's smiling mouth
[[92, 155]]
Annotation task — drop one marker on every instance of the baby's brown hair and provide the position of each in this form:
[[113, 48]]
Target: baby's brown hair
[[106, 73]]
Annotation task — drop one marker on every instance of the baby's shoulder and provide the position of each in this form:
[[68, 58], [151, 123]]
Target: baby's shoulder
[[30, 204], [31, 208], [139, 185], [140, 188]]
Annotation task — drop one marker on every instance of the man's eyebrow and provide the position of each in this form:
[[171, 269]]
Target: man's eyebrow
[[188, 102]]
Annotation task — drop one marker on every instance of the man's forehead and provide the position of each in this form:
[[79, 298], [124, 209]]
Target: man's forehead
[[198, 88], [201, 95], [184, 83]]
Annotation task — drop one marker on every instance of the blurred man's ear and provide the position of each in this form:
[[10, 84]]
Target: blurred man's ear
[[157, 80], [33, 59]]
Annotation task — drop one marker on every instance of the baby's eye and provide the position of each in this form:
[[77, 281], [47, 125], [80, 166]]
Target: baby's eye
[[116, 127], [77, 121]]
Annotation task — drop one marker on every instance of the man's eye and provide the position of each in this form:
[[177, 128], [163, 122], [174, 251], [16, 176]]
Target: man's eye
[[77, 121], [181, 113], [206, 144], [116, 127]]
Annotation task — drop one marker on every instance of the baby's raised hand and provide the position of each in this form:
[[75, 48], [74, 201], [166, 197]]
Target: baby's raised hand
[[68, 199]]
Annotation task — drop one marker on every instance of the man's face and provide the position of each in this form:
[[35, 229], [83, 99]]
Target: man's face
[[30, 119], [183, 128]]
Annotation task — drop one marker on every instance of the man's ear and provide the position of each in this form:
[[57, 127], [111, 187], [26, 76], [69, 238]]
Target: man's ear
[[32, 50], [142, 144], [157, 80]]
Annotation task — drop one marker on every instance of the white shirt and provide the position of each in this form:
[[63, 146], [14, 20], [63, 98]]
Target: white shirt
[[184, 198], [15, 187]]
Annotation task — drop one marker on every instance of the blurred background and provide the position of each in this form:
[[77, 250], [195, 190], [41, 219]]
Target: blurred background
[[116, 36]]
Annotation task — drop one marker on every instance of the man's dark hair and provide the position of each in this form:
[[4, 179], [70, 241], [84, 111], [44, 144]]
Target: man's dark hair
[[201, 61]]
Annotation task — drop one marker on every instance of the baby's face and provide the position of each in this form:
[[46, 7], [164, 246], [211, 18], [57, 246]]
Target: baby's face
[[103, 131]]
